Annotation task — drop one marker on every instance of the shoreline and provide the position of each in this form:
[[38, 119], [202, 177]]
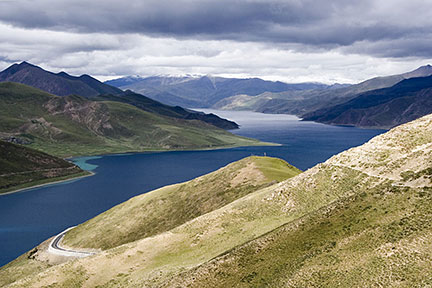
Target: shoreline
[[261, 144], [90, 173], [48, 183]]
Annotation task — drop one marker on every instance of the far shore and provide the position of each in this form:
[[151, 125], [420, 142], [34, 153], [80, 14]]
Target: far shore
[[48, 183], [90, 173], [126, 152]]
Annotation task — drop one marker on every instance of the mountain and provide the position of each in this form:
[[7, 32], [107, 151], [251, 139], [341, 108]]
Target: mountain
[[203, 91], [63, 84], [22, 167], [150, 105], [74, 125], [360, 219], [303, 102], [382, 108], [124, 81]]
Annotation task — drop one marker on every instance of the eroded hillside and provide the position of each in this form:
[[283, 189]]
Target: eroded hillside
[[73, 125]]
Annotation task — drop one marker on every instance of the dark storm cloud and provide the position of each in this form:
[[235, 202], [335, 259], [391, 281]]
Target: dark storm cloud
[[182, 17], [327, 24]]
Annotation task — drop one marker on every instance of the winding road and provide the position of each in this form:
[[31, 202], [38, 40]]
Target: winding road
[[55, 248]]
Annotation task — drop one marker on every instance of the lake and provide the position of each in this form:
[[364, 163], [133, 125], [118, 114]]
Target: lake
[[32, 216]]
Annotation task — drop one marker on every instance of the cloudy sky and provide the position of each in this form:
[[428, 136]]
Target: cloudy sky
[[328, 41]]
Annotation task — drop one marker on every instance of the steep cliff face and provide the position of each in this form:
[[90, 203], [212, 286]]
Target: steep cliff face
[[362, 218]]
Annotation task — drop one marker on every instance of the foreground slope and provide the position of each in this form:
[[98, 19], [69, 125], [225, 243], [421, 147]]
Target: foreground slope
[[378, 237], [171, 206], [23, 167], [73, 125], [163, 209], [360, 219]]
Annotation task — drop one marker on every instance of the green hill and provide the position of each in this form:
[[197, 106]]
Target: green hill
[[63, 84], [73, 125], [360, 219], [168, 207], [22, 167], [161, 210]]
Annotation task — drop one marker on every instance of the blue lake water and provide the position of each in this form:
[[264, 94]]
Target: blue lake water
[[30, 217]]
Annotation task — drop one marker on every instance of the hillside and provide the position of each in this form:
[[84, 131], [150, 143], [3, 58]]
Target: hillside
[[168, 207], [203, 91], [301, 103], [73, 125], [63, 84], [150, 105], [383, 108], [22, 167], [60, 84], [163, 209], [360, 219]]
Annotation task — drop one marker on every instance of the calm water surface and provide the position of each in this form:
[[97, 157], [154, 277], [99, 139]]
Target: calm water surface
[[29, 217]]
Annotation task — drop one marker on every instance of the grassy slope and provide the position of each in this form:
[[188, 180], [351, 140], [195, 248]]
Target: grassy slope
[[22, 167], [380, 238], [168, 207], [364, 212], [165, 208], [72, 125]]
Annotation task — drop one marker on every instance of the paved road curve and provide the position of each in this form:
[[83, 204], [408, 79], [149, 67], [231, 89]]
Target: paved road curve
[[55, 248]]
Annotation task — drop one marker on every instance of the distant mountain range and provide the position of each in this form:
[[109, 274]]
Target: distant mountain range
[[314, 104], [331, 104], [382, 108], [203, 91], [63, 84]]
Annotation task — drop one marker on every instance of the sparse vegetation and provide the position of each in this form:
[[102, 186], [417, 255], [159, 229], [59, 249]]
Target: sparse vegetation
[[166, 208], [353, 221], [22, 167]]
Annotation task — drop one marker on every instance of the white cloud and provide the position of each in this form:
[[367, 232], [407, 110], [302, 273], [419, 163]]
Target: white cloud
[[112, 55]]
